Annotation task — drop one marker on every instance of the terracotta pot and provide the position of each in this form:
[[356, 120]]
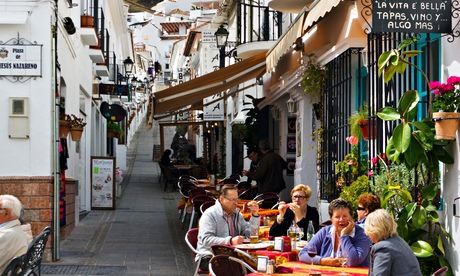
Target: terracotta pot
[[87, 21], [446, 125], [368, 129], [75, 133], [112, 134], [64, 128]]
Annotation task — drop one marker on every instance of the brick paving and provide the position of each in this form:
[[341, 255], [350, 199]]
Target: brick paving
[[143, 236]]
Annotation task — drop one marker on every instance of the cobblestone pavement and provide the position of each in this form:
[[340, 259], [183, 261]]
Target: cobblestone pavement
[[143, 236]]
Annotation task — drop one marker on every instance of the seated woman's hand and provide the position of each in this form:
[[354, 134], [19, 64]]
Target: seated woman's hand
[[282, 207], [348, 229], [295, 208], [330, 261]]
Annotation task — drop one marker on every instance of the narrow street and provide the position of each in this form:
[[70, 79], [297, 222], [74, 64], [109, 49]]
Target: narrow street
[[143, 236]]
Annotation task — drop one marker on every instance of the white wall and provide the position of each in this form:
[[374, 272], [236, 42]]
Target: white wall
[[450, 187], [29, 157]]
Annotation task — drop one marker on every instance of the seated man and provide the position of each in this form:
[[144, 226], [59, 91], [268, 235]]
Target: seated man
[[14, 237], [224, 224], [338, 241]]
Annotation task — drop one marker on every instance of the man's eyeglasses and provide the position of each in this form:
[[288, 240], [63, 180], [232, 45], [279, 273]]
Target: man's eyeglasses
[[298, 197], [361, 208], [231, 199]]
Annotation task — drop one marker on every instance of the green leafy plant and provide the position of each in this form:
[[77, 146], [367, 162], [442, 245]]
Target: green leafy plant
[[313, 79], [112, 126], [349, 169], [74, 121], [356, 119], [357, 188], [413, 144]]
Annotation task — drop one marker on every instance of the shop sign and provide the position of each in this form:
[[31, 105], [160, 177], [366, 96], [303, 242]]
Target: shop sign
[[208, 36], [103, 182], [21, 60], [213, 110], [413, 16]]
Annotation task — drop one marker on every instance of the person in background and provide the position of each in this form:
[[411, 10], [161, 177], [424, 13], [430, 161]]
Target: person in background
[[223, 223], [165, 158], [269, 173], [253, 155], [339, 240], [390, 255], [14, 237], [367, 203], [298, 211]]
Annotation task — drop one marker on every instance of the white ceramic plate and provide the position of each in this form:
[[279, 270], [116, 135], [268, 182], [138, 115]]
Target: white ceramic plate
[[251, 246]]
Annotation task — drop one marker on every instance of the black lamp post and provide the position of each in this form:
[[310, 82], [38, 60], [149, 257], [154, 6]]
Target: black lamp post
[[128, 64], [221, 39]]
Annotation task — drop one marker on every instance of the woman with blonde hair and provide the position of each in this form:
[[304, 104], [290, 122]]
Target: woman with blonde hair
[[390, 255], [298, 211]]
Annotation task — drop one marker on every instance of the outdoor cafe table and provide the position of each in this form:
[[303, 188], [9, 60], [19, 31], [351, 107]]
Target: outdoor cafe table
[[300, 268]]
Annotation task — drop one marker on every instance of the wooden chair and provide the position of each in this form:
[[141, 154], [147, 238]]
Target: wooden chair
[[191, 238], [224, 265]]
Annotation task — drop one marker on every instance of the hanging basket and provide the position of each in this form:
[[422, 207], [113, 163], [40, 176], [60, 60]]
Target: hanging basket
[[446, 125], [64, 128], [87, 21], [368, 129], [75, 133]]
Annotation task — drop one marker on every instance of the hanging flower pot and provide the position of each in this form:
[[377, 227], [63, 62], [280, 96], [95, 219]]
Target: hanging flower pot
[[64, 128], [112, 133], [87, 21], [368, 129], [446, 125], [76, 133]]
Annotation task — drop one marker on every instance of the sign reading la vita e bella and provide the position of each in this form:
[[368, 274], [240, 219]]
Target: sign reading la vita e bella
[[414, 16], [21, 60]]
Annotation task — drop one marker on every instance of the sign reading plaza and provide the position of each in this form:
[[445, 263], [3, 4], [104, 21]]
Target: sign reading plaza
[[414, 16], [21, 60]]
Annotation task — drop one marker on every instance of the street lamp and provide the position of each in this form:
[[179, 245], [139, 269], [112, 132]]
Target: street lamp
[[291, 105], [128, 64], [221, 40]]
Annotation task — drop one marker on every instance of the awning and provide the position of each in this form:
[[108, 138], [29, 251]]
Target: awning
[[286, 41], [319, 11], [195, 90]]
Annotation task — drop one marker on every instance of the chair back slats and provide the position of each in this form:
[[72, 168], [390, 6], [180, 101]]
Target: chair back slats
[[206, 205], [267, 200], [441, 272], [33, 258], [224, 265], [191, 238], [14, 268]]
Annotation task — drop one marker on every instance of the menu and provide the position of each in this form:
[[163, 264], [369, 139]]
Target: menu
[[103, 182]]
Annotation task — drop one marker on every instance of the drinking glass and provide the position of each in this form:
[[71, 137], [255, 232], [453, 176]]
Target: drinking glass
[[342, 257], [300, 233], [311, 251]]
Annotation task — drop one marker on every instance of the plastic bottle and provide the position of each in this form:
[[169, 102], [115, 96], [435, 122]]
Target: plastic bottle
[[270, 267]]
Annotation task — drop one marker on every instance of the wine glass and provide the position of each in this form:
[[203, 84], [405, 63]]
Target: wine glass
[[300, 233], [342, 258], [311, 251]]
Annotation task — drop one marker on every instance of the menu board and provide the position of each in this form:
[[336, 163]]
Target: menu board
[[102, 182]]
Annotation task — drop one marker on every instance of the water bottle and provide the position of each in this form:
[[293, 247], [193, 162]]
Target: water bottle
[[310, 231]]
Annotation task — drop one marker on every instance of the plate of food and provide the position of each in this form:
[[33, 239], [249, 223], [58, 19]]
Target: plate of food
[[252, 246]]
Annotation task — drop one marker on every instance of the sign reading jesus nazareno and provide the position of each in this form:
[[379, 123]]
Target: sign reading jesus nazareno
[[21, 60]]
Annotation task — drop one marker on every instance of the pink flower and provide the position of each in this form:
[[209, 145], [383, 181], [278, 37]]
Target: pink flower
[[436, 92], [446, 88], [453, 80], [370, 173], [374, 161], [352, 140], [434, 85]]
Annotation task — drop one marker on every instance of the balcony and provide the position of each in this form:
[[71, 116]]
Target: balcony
[[88, 23], [258, 28]]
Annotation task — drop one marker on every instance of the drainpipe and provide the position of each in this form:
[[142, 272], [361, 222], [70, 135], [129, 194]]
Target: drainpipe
[[55, 137]]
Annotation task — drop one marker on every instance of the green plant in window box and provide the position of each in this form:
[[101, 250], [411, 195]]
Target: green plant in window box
[[356, 120], [113, 130]]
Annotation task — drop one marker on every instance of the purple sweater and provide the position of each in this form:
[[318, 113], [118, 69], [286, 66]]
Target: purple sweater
[[356, 248]]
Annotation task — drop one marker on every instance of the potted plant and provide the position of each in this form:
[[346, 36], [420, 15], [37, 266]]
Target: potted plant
[[64, 126], [76, 127], [113, 130], [87, 21], [313, 79], [361, 126], [445, 104]]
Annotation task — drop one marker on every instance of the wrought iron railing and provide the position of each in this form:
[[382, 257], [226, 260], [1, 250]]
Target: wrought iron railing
[[337, 99], [257, 23]]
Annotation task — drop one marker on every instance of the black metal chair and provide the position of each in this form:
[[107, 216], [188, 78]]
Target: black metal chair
[[33, 258], [267, 200], [441, 272], [14, 268]]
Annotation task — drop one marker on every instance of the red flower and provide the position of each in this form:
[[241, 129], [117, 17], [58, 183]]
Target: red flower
[[453, 80], [446, 88], [434, 85]]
